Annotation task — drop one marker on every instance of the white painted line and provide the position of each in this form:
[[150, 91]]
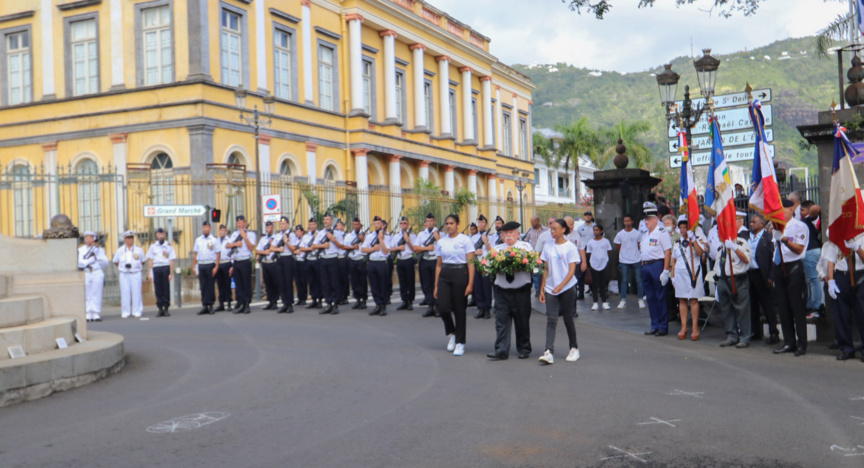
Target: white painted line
[[856, 398], [858, 418], [635, 456], [660, 421], [677, 392], [187, 423]]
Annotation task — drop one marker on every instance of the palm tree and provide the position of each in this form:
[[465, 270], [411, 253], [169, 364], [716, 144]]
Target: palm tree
[[631, 134], [580, 139], [837, 30]]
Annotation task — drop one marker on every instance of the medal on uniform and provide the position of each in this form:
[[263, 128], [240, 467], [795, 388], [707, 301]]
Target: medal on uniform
[[165, 253], [210, 245], [135, 256]]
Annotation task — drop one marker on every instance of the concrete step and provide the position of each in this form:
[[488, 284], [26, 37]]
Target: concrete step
[[37, 337], [5, 284], [17, 311]]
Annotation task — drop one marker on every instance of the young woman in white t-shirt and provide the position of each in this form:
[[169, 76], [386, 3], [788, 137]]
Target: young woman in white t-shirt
[[599, 248], [454, 281], [558, 292]]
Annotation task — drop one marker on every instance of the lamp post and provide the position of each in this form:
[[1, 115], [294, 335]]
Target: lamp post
[[520, 185]]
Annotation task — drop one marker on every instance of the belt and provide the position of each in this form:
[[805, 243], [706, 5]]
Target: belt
[[268, 260], [206, 263], [649, 262], [124, 271], [240, 259], [160, 266], [377, 259], [222, 262], [357, 258], [406, 258], [312, 259], [329, 256], [300, 259], [286, 255], [453, 266], [793, 263], [430, 257], [738, 277]]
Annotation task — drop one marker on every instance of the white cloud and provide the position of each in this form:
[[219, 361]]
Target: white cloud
[[631, 39]]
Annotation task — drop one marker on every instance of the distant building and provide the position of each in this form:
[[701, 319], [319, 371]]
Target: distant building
[[557, 184]]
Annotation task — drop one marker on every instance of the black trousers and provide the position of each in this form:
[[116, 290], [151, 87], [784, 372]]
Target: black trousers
[[223, 281], [598, 285], [512, 306], [789, 294], [286, 288], [300, 280], [405, 271], [272, 274], [427, 279], [378, 281], [243, 281], [313, 279], [206, 281], [161, 285], [329, 279], [580, 281], [388, 280], [359, 284], [849, 306], [452, 282], [483, 291], [343, 270], [760, 299]]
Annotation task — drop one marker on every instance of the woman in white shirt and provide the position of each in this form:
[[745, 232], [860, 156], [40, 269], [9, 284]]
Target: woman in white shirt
[[599, 248], [558, 292], [454, 281], [686, 274]]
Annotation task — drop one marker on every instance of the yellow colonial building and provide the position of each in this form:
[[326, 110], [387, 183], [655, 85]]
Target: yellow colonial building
[[108, 105]]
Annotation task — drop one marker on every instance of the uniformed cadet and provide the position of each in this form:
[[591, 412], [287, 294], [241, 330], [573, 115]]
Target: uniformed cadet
[[130, 260], [92, 259], [585, 233], [342, 268], [282, 248], [205, 265], [271, 275], [388, 278], [495, 238], [329, 264], [300, 266], [789, 283], [656, 250], [425, 248], [160, 268], [848, 297], [733, 260], [512, 300], [400, 247], [223, 274], [483, 284], [354, 240], [377, 269], [312, 273], [244, 242], [686, 274]]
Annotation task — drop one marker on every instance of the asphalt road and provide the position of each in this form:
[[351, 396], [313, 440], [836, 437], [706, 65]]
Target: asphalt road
[[305, 390]]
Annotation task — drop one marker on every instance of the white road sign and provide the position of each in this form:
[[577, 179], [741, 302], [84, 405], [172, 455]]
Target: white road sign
[[729, 140], [171, 211], [271, 206], [732, 100], [730, 120], [703, 158]]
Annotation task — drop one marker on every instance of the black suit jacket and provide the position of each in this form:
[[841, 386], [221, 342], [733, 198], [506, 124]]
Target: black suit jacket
[[765, 257]]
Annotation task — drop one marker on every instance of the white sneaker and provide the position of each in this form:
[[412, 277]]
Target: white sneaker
[[547, 357], [573, 356], [641, 304], [622, 304], [124, 316], [596, 306], [451, 345], [606, 306], [460, 350]]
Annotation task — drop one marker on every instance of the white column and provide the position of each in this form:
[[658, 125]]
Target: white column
[[419, 87], [47, 19], [51, 194], [390, 75], [264, 158], [488, 141], [395, 188], [444, 93], [423, 172], [500, 112], [117, 81], [355, 51], [492, 189], [467, 115], [118, 141], [361, 174], [514, 122], [449, 181], [307, 52], [261, 46], [472, 187], [311, 163]]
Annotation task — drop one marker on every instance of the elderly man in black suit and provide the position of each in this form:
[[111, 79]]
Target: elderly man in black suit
[[759, 272]]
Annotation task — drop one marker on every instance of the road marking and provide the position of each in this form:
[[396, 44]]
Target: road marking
[[858, 418], [636, 456], [187, 423], [660, 421], [857, 398], [677, 392], [854, 450]]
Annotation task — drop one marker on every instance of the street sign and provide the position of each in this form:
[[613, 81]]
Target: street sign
[[730, 120], [271, 209], [172, 211], [703, 158], [729, 140], [732, 100]]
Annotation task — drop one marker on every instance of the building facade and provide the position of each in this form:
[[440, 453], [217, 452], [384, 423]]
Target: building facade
[[134, 100], [558, 184]]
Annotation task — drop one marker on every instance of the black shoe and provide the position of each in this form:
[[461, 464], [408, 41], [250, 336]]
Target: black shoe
[[239, 306], [165, 312], [343, 302], [479, 314], [575, 314], [328, 310], [356, 305], [487, 314], [524, 355], [383, 310], [497, 357], [312, 304], [651, 332], [430, 311], [203, 311], [218, 309], [319, 303], [402, 306], [845, 356], [283, 310], [774, 339], [663, 333], [300, 303], [424, 302], [437, 312], [800, 352], [410, 306], [784, 349], [376, 310], [362, 305], [834, 345], [210, 310], [159, 311], [728, 343], [247, 309], [335, 310], [237, 311], [99, 319]]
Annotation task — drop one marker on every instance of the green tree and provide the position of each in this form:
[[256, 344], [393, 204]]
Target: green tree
[[580, 139], [632, 134], [725, 8]]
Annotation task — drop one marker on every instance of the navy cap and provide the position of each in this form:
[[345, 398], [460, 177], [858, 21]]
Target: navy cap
[[312, 220], [285, 218], [473, 225], [377, 218], [205, 223], [430, 216], [222, 226], [160, 230], [299, 227], [482, 218], [512, 225], [268, 223], [787, 203], [499, 218], [356, 219], [240, 218], [404, 218], [588, 213]]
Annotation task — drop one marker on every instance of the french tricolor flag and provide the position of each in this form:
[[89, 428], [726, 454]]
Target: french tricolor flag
[[845, 207], [765, 193], [689, 200]]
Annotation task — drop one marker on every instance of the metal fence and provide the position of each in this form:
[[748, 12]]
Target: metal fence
[[808, 188]]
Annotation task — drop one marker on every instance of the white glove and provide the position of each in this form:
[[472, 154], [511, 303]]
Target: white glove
[[851, 244], [664, 277], [778, 235], [833, 289], [731, 245]]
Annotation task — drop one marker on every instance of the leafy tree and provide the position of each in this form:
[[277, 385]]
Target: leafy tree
[[580, 139], [632, 134], [725, 8], [431, 201]]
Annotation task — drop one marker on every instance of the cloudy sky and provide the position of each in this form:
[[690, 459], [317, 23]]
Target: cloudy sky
[[631, 39]]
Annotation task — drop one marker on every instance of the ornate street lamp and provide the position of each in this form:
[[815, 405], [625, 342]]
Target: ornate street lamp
[[706, 72], [667, 80], [521, 183]]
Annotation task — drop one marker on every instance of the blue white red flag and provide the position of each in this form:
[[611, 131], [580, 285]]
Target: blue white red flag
[[845, 206], [764, 191]]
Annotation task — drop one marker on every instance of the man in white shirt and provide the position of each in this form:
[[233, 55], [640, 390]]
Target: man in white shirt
[[329, 264], [271, 274], [789, 282], [376, 247], [512, 300], [244, 242], [354, 240], [733, 260], [401, 243], [629, 260], [223, 274], [544, 237], [656, 250], [425, 248], [205, 265], [130, 260], [160, 258], [585, 233], [92, 259]]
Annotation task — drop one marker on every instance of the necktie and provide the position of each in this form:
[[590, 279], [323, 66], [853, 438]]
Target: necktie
[[777, 255], [722, 262]]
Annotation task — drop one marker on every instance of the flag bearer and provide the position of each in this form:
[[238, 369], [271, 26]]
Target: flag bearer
[[789, 282], [848, 298]]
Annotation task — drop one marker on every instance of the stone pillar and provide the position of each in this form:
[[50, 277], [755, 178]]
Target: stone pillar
[[419, 86], [118, 142], [391, 113], [355, 52], [514, 122], [116, 15], [261, 46], [450, 180], [51, 193], [488, 141], [201, 151], [492, 190], [311, 163], [500, 111], [199, 40], [423, 172], [361, 174], [395, 187], [46, 13], [467, 114], [472, 187], [307, 52], [444, 95]]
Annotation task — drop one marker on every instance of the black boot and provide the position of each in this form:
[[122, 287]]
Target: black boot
[[479, 314], [376, 310], [362, 305], [203, 311], [356, 305], [165, 312], [238, 310], [403, 306], [218, 309], [312, 304], [383, 310], [430, 311], [335, 310], [270, 306], [487, 314], [326, 311], [246, 309], [283, 310], [290, 309], [239, 306], [210, 309], [319, 303]]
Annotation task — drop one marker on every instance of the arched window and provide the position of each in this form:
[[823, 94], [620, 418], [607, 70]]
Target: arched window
[[237, 193], [329, 186], [89, 209], [236, 158], [22, 194], [161, 184], [511, 212], [286, 189]]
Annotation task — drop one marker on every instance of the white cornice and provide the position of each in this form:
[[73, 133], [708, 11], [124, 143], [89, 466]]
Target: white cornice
[[327, 5]]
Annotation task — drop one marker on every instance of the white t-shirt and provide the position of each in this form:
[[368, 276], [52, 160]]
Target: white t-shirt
[[796, 232], [628, 245], [454, 250], [654, 245], [559, 257], [599, 250]]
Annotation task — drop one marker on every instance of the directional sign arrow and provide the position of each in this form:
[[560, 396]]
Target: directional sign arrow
[[729, 139], [703, 158], [730, 120], [732, 100]]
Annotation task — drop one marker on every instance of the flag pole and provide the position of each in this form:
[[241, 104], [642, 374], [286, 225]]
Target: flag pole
[[850, 260]]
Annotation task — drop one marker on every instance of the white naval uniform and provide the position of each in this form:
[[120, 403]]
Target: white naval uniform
[[682, 282], [94, 277], [130, 279]]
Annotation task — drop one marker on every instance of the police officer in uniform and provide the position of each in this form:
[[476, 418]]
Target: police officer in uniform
[[391, 265], [329, 264], [425, 248], [299, 266], [354, 240], [270, 271], [342, 268], [244, 242], [92, 259], [130, 260], [312, 271], [205, 265], [282, 248], [401, 247], [376, 248], [848, 297], [789, 282], [483, 286], [656, 250], [160, 258], [512, 300], [223, 273]]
